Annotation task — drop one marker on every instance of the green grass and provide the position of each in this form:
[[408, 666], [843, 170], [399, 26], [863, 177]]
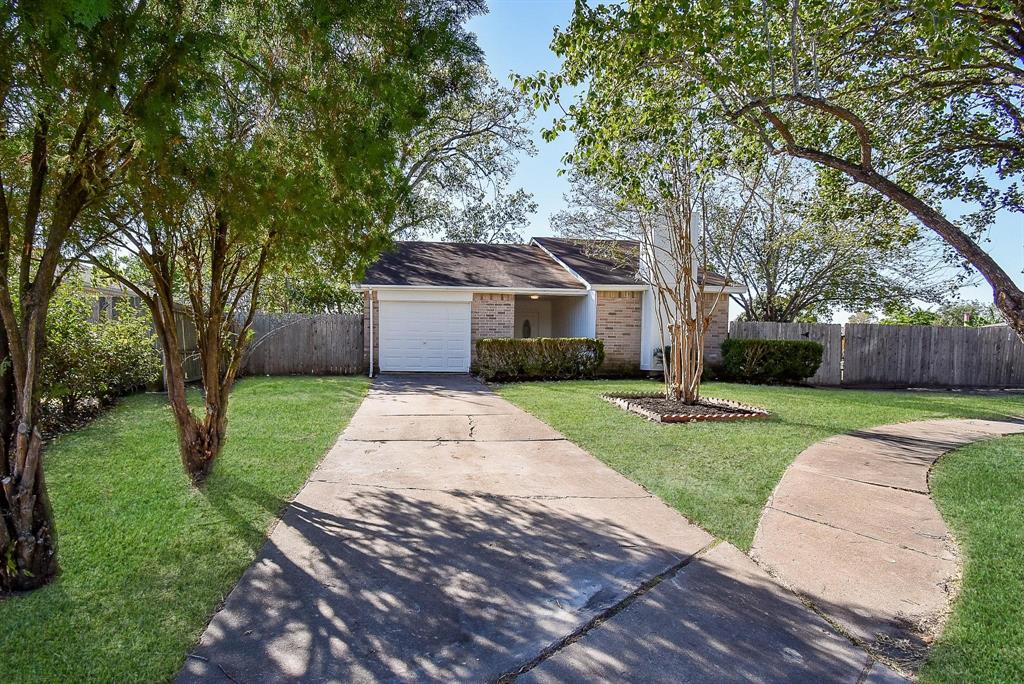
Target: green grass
[[978, 490], [720, 475], [145, 558]]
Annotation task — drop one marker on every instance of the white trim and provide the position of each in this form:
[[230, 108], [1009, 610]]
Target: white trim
[[408, 295], [626, 287], [372, 303], [574, 274], [728, 289]]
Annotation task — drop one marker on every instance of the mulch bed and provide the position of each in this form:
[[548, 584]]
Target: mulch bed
[[656, 407]]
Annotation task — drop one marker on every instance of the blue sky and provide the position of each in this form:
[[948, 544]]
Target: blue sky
[[515, 35]]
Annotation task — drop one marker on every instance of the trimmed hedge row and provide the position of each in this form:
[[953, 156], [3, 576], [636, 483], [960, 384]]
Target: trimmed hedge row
[[770, 361], [538, 358]]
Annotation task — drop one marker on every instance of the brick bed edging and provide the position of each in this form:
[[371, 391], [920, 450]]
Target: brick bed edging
[[623, 402]]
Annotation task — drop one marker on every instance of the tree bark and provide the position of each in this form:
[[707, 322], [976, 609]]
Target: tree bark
[[28, 544]]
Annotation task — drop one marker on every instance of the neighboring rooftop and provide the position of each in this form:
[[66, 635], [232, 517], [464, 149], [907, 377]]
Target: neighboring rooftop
[[460, 264]]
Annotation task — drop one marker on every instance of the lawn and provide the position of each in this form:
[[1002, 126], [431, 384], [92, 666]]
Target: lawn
[[145, 558], [978, 490], [720, 475]]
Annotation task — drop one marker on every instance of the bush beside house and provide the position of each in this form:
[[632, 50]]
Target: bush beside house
[[538, 358], [769, 361]]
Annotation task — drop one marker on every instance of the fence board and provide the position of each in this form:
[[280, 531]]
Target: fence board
[[298, 344], [829, 335], [932, 356]]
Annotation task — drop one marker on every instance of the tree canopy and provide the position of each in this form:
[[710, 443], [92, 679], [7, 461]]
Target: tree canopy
[[920, 101]]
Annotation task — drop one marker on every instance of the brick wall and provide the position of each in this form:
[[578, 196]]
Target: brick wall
[[492, 315], [618, 325], [366, 331], [718, 327]]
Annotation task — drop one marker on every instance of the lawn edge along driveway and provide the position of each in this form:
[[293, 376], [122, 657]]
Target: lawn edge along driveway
[[145, 558]]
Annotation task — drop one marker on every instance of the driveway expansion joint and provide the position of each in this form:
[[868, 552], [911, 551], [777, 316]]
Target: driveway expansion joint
[[603, 616]]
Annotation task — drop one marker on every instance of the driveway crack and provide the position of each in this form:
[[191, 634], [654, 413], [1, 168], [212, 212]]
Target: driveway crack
[[602, 617]]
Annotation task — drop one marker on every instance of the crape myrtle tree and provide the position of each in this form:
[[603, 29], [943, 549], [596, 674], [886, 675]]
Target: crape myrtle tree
[[808, 247], [291, 159], [920, 101], [655, 193], [84, 89]]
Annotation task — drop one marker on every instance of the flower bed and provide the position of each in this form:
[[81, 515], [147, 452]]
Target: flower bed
[[657, 408]]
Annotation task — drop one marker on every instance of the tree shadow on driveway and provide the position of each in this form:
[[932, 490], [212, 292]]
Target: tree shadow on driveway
[[373, 584]]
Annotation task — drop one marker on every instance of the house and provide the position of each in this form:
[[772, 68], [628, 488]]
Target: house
[[427, 303]]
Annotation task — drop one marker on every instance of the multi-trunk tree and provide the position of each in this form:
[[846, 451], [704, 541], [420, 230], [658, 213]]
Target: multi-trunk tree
[[84, 87], [291, 160], [655, 195], [920, 101]]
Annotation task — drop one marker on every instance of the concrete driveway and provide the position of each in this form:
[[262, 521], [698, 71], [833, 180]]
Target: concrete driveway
[[449, 536]]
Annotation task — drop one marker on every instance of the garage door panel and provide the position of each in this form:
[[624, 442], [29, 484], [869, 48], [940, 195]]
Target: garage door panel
[[424, 336]]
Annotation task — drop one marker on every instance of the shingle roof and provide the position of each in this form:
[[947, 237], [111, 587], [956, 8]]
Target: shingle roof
[[606, 262], [460, 264]]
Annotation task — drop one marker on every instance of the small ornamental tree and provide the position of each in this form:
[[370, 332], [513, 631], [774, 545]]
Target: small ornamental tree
[[919, 101], [290, 159], [659, 200]]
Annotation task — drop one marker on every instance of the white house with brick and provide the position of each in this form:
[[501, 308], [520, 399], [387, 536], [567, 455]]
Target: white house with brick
[[425, 304]]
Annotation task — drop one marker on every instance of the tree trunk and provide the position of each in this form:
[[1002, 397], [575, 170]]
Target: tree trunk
[[1007, 296], [28, 544], [200, 443]]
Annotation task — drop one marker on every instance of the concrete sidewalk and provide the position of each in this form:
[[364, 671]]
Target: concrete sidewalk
[[851, 527], [449, 536]]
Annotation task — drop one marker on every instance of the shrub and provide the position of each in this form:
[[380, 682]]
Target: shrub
[[538, 358], [770, 361], [85, 361]]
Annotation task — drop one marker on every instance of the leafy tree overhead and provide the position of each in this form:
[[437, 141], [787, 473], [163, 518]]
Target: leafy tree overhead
[[85, 89], [459, 162], [920, 101], [290, 161]]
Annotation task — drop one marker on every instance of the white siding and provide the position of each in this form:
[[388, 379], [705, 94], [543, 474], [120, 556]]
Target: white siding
[[574, 316]]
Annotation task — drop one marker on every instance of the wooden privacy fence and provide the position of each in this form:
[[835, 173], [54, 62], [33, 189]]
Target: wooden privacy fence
[[873, 355], [829, 335], [300, 344], [931, 356]]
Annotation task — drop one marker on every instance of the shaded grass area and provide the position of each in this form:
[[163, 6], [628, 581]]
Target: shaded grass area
[[720, 474], [979, 490], [146, 559]]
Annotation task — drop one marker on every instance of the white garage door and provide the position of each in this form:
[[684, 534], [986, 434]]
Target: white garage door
[[424, 336]]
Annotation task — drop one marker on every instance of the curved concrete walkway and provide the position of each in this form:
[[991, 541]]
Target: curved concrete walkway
[[852, 528]]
